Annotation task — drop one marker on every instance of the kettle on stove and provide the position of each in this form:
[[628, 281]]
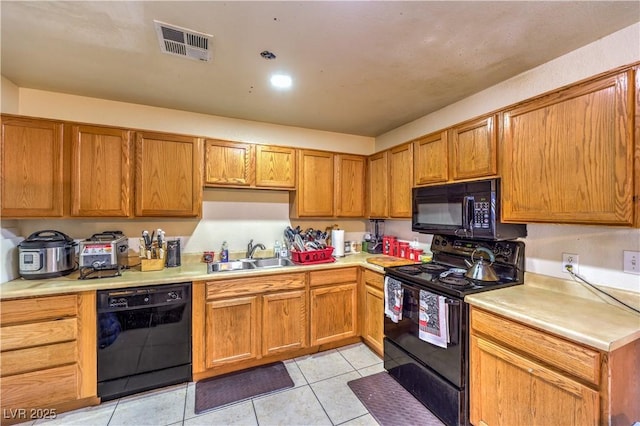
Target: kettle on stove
[[481, 270]]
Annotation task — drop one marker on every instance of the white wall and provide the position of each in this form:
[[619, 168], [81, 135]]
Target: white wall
[[600, 248], [39, 103], [9, 96]]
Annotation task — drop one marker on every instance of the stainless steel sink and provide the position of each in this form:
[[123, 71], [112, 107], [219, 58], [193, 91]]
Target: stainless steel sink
[[248, 264], [272, 262], [236, 265]]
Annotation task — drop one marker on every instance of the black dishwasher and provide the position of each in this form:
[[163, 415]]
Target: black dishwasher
[[144, 338]]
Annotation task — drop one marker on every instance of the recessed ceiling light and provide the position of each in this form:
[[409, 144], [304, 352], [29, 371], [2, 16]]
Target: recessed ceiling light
[[281, 81]]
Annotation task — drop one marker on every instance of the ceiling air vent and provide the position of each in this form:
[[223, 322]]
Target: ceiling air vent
[[183, 42]]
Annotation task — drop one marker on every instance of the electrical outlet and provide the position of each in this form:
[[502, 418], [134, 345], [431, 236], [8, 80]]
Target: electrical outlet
[[570, 260], [631, 263]]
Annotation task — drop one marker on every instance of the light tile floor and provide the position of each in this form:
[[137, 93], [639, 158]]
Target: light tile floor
[[320, 396]]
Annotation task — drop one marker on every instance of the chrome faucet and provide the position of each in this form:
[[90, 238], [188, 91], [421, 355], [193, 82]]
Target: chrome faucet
[[251, 249]]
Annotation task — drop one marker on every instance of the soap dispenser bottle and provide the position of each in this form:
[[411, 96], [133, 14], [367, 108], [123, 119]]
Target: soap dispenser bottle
[[224, 252]]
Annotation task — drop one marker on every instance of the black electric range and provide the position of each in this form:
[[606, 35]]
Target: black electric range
[[438, 374]]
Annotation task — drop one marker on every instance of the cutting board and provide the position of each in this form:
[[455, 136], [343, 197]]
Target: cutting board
[[385, 261]]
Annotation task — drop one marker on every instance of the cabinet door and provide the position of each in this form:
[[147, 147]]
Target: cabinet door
[[168, 175], [509, 389], [284, 319], [378, 185], [373, 318], [228, 163], [275, 167], [400, 180], [568, 157], [32, 173], [101, 171], [431, 159], [474, 149], [350, 185], [315, 183], [232, 330], [333, 313]]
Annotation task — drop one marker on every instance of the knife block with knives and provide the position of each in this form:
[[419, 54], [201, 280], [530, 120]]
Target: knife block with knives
[[153, 252]]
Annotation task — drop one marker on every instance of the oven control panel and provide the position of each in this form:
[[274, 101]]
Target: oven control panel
[[504, 251]]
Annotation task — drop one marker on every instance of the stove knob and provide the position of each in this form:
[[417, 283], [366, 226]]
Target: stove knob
[[146, 299], [173, 295]]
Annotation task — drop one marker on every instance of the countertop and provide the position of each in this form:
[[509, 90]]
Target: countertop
[[566, 309], [561, 307], [191, 270]]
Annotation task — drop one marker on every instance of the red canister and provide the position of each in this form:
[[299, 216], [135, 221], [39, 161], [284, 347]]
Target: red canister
[[403, 250], [386, 244], [395, 247], [414, 254]]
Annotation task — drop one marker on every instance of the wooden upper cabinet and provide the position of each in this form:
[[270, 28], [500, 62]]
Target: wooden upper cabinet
[[431, 159], [275, 167], [568, 156], [32, 167], [400, 180], [314, 197], [474, 149], [229, 163], [101, 171], [168, 175], [378, 185], [350, 185], [636, 192]]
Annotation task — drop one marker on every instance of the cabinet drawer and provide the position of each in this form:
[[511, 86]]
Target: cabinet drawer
[[575, 359], [39, 333], [35, 389], [374, 279], [38, 358], [243, 286], [37, 309], [333, 276]]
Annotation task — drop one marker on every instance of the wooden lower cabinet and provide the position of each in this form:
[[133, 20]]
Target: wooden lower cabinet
[[334, 305], [524, 376], [240, 321], [524, 392], [48, 359], [232, 330], [284, 322], [372, 312]]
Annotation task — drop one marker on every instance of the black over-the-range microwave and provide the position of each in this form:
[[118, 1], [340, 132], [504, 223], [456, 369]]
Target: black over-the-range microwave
[[466, 209]]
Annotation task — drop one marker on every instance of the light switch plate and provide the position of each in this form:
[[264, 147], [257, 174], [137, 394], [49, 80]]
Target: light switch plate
[[631, 261]]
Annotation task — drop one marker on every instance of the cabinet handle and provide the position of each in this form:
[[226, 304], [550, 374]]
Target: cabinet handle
[[530, 370]]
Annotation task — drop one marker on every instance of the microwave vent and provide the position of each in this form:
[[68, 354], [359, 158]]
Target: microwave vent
[[183, 42]]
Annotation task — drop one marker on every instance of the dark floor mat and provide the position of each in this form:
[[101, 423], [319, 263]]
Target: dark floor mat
[[391, 404], [237, 386]]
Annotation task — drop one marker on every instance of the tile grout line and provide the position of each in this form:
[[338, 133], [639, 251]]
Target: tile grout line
[[321, 406]]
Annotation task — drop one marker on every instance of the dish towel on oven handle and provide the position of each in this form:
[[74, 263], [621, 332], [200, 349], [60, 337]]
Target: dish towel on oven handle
[[393, 294], [433, 325]]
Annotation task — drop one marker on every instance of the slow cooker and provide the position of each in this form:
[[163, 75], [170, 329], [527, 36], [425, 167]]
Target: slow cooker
[[47, 254]]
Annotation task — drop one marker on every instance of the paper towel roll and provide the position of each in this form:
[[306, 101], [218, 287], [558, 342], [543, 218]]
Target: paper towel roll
[[337, 241]]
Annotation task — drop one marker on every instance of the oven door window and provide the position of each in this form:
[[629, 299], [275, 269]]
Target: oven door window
[[141, 340], [447, 362]]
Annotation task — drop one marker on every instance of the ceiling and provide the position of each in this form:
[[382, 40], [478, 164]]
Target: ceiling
[[358, 67]]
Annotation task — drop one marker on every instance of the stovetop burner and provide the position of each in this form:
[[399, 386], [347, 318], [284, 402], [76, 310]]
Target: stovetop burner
[[446, 273], [455, 281]]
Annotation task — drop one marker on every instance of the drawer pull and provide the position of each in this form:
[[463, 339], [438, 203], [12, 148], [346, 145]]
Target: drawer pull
[[530, 370]]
